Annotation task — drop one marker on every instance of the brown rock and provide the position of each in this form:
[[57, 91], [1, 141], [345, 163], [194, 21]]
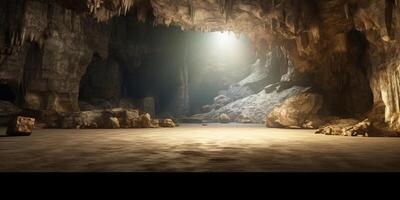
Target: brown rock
[[114, 122], [295, 111], [145, 121], [167, 123], [345, 127], [21, 126], [155, 123]]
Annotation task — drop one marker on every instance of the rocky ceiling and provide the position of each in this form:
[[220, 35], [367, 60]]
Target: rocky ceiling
[[317, 36]]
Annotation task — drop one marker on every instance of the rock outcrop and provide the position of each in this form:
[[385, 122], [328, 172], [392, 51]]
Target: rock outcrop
[[296, 112], [253, 108], [346, 127], [347, 50]]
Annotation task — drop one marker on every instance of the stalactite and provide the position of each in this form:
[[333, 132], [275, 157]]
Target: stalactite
[[221, 5], [389, 20], [228, 9], [191, 10], [346, 10]]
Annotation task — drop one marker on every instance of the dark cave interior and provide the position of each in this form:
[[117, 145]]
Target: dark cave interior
[[285, 64]]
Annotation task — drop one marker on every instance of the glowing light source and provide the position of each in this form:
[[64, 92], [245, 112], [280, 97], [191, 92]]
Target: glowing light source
[[225, 39]]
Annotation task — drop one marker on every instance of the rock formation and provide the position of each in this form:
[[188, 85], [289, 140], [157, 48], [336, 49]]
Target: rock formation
[[347, 51]]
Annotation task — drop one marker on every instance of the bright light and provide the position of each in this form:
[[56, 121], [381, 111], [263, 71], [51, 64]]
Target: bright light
[[225, 40]]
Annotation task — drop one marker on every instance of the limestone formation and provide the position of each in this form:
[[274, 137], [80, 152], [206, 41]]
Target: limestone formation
[[295, 111], [346, 127], [61, 57]]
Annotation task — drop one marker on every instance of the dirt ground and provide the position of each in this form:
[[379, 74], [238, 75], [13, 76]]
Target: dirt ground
[[192, 147]]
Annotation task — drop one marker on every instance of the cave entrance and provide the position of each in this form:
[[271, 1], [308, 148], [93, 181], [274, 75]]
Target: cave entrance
[[183, 71], [7, 93]]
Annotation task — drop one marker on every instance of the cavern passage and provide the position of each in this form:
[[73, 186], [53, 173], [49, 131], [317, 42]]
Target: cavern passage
[[330, 66]]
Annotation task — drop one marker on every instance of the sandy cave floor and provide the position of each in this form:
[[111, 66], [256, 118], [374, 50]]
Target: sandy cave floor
[[192, 147]]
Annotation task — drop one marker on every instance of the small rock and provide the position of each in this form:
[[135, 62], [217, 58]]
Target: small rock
[[271, 88], [224, 118], [244, 119], [167, 123], [145, 121], [155, 123], [21, 126], [114, 122]]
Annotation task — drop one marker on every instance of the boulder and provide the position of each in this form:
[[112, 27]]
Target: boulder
[[295, 111], [221, 101], [256, 106], [21, 126], [145, 121], [271, 88], [127, 117], [167, 123], [345, 127], [113, 123], [224, 118], [155, 123]]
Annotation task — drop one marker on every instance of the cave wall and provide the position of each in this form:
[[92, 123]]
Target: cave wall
[[152, 61], [45, 50], [51, 43], [380, 21]]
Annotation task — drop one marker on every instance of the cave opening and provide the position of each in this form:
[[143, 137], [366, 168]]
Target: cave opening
[[7, 93], [165, 71]]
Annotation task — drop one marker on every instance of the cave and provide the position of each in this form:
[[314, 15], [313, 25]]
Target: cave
[[200, 83], [6, 93]]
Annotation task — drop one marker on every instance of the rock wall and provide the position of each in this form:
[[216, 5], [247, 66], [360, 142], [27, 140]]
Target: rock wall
[[348, 50], [45, 50]]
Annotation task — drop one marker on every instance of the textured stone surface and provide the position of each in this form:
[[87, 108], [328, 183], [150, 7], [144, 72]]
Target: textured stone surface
[[346, 127], [255, 107], [21, 126], [295, 111], [167, 123]]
